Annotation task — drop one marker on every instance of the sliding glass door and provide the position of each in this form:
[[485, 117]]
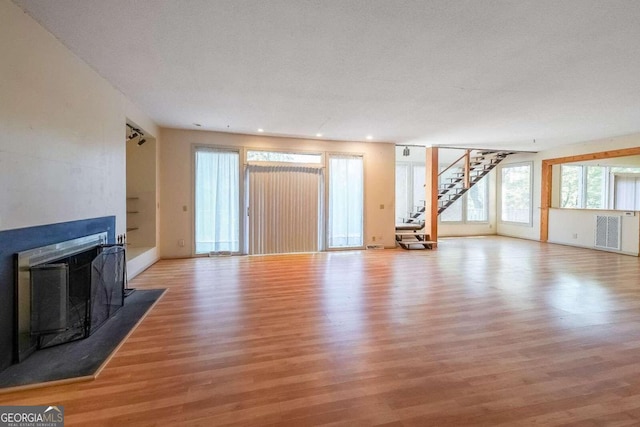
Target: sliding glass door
[[217, 201]]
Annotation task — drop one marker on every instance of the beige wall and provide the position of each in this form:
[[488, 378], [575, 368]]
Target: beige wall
[[62, 152], [176, 181], [141, 193]]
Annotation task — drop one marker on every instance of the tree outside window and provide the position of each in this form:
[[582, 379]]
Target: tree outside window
[[516, 194]]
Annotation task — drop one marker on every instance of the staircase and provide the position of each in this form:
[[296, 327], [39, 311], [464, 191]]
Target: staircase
[[464, 173]]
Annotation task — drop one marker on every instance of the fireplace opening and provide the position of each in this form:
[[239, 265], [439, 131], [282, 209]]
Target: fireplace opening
[[67, 290]]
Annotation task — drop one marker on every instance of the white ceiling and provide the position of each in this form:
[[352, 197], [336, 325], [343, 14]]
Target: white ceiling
[[475, 73]]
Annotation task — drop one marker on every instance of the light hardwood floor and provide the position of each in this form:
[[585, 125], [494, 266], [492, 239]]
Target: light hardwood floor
[[483, 331]]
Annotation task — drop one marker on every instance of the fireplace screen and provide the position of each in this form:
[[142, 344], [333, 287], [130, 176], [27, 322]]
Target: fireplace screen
[[49, 298], [67, 290], [107, 285], [95, 292]]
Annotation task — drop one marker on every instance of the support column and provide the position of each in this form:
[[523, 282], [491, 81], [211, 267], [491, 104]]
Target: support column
[[545, 202], [431, 194]]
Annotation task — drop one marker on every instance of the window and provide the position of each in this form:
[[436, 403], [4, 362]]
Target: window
[[596, 187], [346, 200], [403, 184], [410, 191], [274, 156], [471, 207], [571, 188], [217, 201], [477, 200], [516, 193], [587, 187], [583, 187], [627, 191]]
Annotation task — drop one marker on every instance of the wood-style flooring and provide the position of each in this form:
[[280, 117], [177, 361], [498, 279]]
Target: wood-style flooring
[[481, 331]]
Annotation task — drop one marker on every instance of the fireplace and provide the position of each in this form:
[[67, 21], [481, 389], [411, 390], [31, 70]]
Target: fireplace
[[66, 290]]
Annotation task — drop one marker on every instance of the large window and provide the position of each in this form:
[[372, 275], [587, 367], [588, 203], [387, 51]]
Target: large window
[[280, 157], [597, 187], [516, 193], [472, 207], [217, 201], [583, 187], [346, 202]]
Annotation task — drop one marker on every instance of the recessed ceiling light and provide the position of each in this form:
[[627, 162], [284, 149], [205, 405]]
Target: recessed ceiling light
[[197, 124], [260, 130], [369, 137], [318, 135]]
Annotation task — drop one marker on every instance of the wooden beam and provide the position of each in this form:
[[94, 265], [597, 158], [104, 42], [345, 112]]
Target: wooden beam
[[545, 202], [431, 196], [609, 154]]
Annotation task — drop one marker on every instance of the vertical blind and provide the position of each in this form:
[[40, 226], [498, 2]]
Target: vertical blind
[[217, 199], [346, 200], [284, 209]]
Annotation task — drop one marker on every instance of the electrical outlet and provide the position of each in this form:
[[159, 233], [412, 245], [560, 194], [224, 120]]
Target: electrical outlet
[[575, 235], [184, 208], [373, 239], [381, 206], [181, 243]]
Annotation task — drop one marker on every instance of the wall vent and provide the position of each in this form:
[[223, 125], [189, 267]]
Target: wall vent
[[608, 232]]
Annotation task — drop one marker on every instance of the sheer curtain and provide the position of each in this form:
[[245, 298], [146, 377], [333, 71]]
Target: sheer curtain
[[346, 195], [217, 219], [402, 191], [627, 192]]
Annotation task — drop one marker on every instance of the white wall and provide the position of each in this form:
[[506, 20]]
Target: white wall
[[533, 232], [576, 227], [176, 181], [62, 133]]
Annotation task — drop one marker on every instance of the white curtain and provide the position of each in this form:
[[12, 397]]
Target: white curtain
[[284, 209], [627, 192], [217, 219], [346, 198], [402, 190]]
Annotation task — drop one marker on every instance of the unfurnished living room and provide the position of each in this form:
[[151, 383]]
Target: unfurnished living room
[[301, 213]]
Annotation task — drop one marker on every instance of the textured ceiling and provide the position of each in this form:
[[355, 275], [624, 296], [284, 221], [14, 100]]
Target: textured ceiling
[[493, 74]]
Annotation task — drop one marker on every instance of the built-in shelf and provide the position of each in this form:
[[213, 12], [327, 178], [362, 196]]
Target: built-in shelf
[[133, 208]]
